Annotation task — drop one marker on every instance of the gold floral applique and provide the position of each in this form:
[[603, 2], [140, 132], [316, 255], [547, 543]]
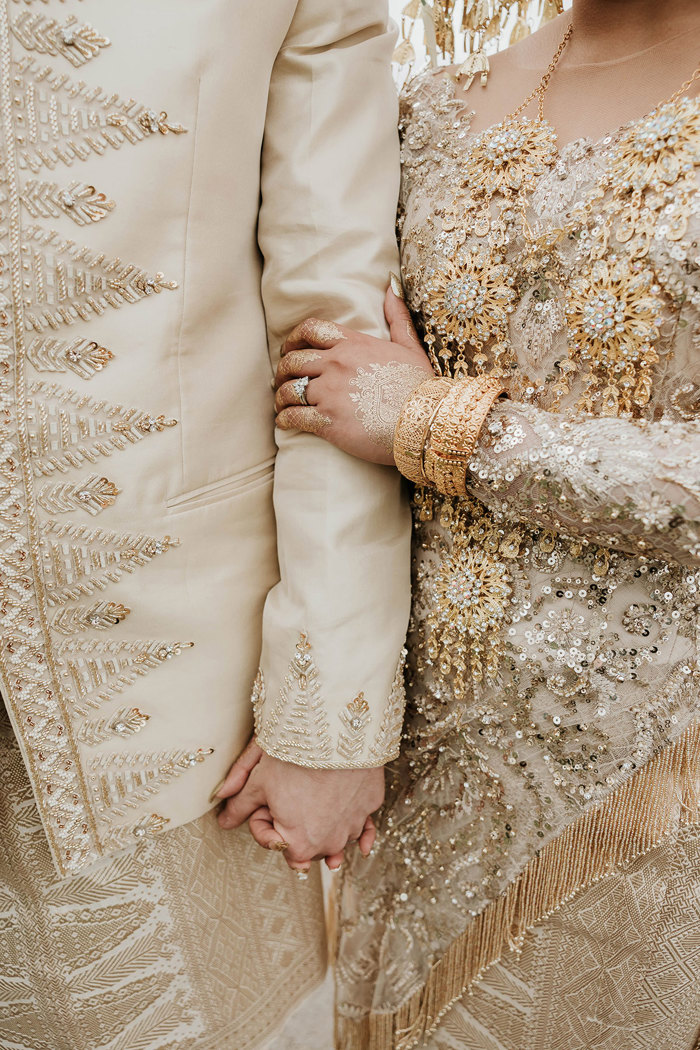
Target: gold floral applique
[[614, 313], [509, 157], [466, 303]]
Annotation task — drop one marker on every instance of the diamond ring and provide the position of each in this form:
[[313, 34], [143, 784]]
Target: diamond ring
[[299, 387]]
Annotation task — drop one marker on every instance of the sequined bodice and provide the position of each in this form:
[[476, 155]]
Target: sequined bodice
[[549, 305], [554, 641]]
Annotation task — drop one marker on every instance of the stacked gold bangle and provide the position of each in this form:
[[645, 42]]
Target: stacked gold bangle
[[439, 427], [412, 429]]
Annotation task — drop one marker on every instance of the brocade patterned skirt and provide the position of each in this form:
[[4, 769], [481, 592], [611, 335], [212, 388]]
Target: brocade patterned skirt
[[187, 942], [618, 968]]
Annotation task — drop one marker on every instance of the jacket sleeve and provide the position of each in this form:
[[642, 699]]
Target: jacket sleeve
[[330, 689], [618, 483]]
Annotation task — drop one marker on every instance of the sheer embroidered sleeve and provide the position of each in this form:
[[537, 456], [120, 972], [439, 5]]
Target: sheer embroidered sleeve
[[620, 483]]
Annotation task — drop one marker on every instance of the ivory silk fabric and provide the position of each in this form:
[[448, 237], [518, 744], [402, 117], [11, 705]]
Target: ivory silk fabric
[[192, 941], [181, 184], [552, 733]]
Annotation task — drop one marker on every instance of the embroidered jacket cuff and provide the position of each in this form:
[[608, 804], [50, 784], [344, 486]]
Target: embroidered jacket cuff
[[300, 725]]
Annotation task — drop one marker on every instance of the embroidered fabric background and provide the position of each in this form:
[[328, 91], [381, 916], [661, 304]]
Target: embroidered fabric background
[[554, 642], [575, 985], [163, 945]]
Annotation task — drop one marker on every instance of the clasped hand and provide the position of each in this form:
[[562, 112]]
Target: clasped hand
[[308, 814]]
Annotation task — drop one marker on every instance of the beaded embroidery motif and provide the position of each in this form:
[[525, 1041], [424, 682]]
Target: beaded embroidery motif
[[295, 727], [58, 663]]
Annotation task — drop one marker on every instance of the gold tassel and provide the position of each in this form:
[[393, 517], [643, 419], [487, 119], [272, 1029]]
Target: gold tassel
[[404, 53], [480, 27], [653, 804], [476, 64]]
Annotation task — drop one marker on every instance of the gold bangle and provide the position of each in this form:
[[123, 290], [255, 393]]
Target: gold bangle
[[455, 432], [444, 434], [411, 431]]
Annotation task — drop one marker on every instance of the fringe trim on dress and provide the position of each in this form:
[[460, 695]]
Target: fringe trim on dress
[[654, 803]]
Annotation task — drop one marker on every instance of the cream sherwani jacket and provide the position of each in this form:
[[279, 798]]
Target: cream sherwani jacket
[[181, 184]]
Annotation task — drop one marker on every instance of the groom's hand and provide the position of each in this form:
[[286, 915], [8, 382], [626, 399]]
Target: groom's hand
[[316, 813]]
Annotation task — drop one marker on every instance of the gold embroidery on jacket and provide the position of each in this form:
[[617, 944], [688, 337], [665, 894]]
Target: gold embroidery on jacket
[[125, 722], [123, 781], [55, 664], [78, 43], [66, 429], [57, 121], [127, 834], [355, 718], [98, 617], [386, 743], [82, 356], [70, 283], [80, 202], [78, 559], [96, 671], [93, 494], [296, 729]]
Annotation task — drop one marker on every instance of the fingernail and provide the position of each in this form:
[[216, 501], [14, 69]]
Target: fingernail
[[279, 846], [334, 870], [366, 856], [215, 793], [396, 286], [301, 875]]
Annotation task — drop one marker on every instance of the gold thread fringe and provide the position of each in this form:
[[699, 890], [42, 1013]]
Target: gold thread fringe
[[658, 800]]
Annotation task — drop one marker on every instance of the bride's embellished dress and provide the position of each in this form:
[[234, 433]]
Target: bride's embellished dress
[[539, 849]]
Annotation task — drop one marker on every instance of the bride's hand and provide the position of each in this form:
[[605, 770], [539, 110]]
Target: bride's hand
[[348, 388]]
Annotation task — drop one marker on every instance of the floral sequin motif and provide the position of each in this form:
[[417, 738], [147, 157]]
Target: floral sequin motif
[[509, 157], [473, 589], [613, 316], [659, 150], [467, 302]]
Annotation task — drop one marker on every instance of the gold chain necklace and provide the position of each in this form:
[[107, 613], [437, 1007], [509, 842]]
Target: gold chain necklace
[[541, 90]]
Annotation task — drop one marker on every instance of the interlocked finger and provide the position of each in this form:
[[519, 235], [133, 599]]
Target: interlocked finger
[[368, 837], [262, 828]]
